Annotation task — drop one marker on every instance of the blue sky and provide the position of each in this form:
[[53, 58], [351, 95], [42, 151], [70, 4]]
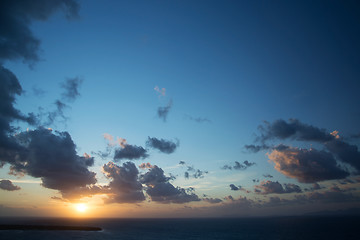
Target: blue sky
[[232, 64]]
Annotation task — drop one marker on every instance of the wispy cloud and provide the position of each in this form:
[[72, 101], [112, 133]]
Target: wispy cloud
[[160, 91]]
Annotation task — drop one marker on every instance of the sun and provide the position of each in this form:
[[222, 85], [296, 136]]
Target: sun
[[81, 207]]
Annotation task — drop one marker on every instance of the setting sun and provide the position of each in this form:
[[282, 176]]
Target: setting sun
[[81, 207]]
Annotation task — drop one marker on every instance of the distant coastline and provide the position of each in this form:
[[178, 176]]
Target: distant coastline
[[49, 228]]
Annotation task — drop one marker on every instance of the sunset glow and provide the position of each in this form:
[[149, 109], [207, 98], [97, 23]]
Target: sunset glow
[[81, 207], [187, 109]]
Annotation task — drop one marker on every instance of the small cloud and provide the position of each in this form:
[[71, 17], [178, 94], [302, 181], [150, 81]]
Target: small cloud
[[212, 200], [267, 176], [181, 163], [239, 166], [256, 148], [164, 146], [130, 152], [164, 111], [160, 91], [145, 166], [8, 185], [268, 187], [234, 188], [71, 87], [198, 119]]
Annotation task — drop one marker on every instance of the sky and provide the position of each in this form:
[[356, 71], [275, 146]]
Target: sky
[[179, 108]]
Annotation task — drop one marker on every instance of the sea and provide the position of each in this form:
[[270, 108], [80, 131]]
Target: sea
[[270, 228]]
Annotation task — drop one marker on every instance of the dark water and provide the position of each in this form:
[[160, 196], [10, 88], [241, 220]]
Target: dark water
[[195, 229]]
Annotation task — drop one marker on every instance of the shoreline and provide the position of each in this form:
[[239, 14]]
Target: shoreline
[[48, 228]]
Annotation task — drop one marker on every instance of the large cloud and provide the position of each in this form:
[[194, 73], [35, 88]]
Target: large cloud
[[306, 166], [164, 146], [17, 40], [9, 88], [125, 186], [8, 185], [161, 190], [53, 158]]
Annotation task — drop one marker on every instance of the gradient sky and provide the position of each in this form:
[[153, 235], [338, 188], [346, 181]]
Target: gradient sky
[[179, 108]]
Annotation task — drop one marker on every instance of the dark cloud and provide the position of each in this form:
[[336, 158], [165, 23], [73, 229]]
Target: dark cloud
[[9, 89], [164, 146], [17, 40], [130, 152], [182, 163], [161, 190], [8, 185], [125, 186], [256, 148], [293, 129], [195, 173], [164, 111], [256, 180], [267, 176], [268, 187], [239, 166], [53, 158], [307, 166], [345, 152], [71, 87], [234, 188], [212, 200]]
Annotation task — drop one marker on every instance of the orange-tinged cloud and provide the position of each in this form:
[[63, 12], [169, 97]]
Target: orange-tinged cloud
[[161, 91]]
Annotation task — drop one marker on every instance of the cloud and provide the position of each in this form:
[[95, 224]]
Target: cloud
[[164, 111], [198, 119], [345, 152], [293, 129], [256, 148], [53, 158], [9, 89], [239, 166], [130, 152], [125, 186], [111, 142], [161, 190], [212, 200], [182, 163], [195, 173], [161, 92], [145, 166], [164, 146], [269, 187], [267, 176], [71, 87], [234, 188], [307, 166], [17, 40], [8, 185]]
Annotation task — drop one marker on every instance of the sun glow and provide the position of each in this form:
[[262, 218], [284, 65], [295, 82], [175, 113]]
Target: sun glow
[[81, 207]]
